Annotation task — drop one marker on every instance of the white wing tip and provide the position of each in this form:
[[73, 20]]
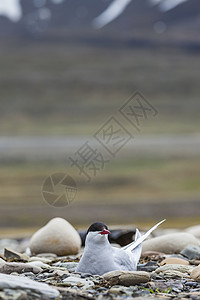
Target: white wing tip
[[162, 221]]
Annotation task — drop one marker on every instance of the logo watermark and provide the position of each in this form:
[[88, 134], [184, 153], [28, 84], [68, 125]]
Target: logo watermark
[[136, 109], [60, 189]]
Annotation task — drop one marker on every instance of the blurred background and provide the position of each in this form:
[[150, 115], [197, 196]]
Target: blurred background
[[66, 67]]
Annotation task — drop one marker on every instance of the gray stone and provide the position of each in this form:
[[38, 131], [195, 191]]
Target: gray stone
[[148, 267], [170, 243], [173, 271], [61, 272], [10, 254], [126, 278], [23, 283], [10, 267], [162, 285], [39, 264], [191, 252], [79, 282], [13, 294], [70, 266], [41, 259], [57, 236], [78, 294], [118, 289], [47, 255]]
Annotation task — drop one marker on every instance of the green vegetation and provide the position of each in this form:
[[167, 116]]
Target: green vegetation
[[129, 181], [149, 183], [158, 290]]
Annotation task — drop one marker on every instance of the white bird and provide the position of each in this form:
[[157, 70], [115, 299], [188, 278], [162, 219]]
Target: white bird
[[100, 257]]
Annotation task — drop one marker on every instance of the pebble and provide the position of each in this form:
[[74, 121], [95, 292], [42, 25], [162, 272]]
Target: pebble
[[47, 255], [173, 271], [39, 264], [10, 254], [15, 295], [163, 285], [122, 290], [18, 282], [170, 243], [41, 259], [195, 295], [79, 282], [191, 252], [85, 275], [148, 267], [60, 272], [159, 276], [10, 267], [70, 266], [57, 236], [195, 274], [126, 278], [174, 260], [191, 283], [195, 262]]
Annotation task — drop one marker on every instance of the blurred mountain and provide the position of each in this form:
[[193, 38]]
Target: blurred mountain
[[45, 19], [143, 15]]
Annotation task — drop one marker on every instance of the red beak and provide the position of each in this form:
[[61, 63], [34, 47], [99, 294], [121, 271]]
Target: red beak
[[105, 231]]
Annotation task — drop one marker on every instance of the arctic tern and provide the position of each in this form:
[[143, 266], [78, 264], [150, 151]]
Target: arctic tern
[[100, 257]]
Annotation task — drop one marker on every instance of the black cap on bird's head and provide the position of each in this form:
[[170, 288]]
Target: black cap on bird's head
[[99, 227]]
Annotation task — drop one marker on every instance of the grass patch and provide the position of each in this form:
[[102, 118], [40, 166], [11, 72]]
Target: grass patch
[[133, 180]]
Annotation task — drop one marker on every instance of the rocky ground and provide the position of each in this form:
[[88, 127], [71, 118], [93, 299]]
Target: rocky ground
[[173, 273]]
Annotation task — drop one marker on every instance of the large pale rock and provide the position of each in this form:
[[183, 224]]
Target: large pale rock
[[195, 274], [195, 230], [57, 236], [170, 243], [126, 278], [23, 283]]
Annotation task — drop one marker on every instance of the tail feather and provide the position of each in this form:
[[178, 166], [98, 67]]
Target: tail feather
[[137, 235], [136, 252], [139, 239]]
